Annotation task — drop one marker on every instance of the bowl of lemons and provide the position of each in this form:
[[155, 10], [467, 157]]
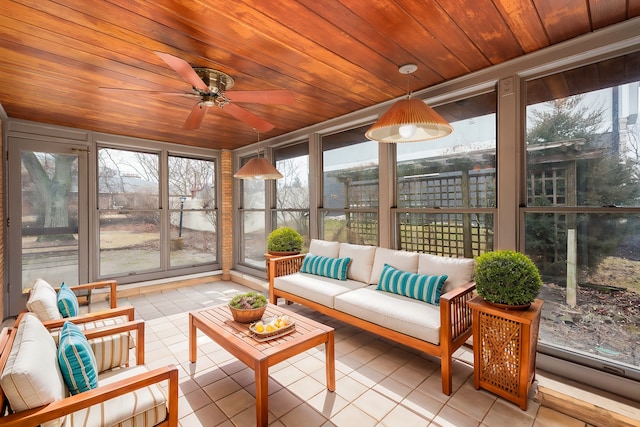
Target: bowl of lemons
[[273, 327]]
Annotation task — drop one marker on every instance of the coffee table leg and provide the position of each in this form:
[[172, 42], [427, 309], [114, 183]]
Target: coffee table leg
[[262, 392], [192, 340], [330, 362]]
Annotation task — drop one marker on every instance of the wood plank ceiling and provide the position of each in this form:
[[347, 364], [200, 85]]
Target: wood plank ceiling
[[335, 56]]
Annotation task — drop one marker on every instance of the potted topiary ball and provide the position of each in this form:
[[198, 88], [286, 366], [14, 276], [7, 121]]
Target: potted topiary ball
[[507, 279], [284, 241], [248, 307]]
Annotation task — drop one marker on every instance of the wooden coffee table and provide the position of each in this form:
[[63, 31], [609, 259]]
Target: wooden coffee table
[[218, 324]]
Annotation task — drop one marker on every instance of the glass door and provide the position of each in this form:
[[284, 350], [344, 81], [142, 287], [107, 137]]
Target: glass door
[[47, 208]]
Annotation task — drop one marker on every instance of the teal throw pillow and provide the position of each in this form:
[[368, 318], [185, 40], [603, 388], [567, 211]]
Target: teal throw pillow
[[67, 302], [334, 268], [76, 359], [412, 285]]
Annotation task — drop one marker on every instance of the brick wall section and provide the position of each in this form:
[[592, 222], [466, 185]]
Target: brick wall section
[[226, 210]]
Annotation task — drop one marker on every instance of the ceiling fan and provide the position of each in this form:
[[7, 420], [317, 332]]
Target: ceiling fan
[[211, 87]]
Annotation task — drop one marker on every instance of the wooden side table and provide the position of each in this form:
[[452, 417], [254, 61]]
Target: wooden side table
[[504, 349]]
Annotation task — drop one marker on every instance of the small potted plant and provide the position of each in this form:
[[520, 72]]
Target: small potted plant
[[507, 279], [284, 241], [248, 307]]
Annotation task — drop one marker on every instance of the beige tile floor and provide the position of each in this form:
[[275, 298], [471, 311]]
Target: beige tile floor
[[378, 383]]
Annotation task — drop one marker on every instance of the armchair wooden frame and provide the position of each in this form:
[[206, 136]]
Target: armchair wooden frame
[[111, 284], [100, 394]]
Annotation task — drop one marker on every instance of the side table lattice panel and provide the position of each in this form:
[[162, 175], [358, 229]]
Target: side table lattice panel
[[504, 349], [500, 356]]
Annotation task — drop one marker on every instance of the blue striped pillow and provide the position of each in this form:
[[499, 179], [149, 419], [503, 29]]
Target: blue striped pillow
[[76, 359], [412, 285], [67, 302], [335, 268]]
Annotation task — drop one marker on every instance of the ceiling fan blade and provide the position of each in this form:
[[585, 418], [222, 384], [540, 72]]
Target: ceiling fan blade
[[150, 92], [195, 118], [283, 97], [249, 118], [183, 68]]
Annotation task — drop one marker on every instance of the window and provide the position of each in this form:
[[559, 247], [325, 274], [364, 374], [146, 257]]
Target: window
[[582, 219], [446, 187], [292, 191], [350, 188], [134, 218], [129, 212], [193, 213]]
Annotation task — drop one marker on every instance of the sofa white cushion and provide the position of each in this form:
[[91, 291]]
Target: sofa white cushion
[[140, 408], [459, 270], [361, 261], [43, 301], [400, 260], [324, 248], [321, 290], [31, 376], [399, 313]]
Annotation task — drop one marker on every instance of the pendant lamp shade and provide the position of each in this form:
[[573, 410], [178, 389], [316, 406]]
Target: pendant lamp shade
[[409, 120], [258, 168]]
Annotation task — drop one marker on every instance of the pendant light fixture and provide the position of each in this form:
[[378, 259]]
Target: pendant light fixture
[[409, 120], [258, 168]]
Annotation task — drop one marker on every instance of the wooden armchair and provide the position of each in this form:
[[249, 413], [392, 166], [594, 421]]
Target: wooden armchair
[[43, 302], [29, 363]]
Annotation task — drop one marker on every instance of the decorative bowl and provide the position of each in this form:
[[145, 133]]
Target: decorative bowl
[[247, 315]]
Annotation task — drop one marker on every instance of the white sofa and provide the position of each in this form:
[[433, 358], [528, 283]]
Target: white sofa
[[438, 330]]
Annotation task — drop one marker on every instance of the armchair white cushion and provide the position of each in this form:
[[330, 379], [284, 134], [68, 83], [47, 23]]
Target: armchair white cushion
[[31, 377], [43, 301]]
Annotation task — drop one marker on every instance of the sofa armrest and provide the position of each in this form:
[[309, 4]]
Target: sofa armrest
[[455, 315], [111, 284], [32, 417], [128, 312], [281, 267]]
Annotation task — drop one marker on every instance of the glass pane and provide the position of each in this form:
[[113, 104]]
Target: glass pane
[[350, 170], [292, 191], [583, 149], [129, 242], [192, 223], [127, 180], [457, 171], [194, 180], [254, 243], [49, 218], [454, 234], [253, 192], [355, 227], [193, 238], [591, 274]]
